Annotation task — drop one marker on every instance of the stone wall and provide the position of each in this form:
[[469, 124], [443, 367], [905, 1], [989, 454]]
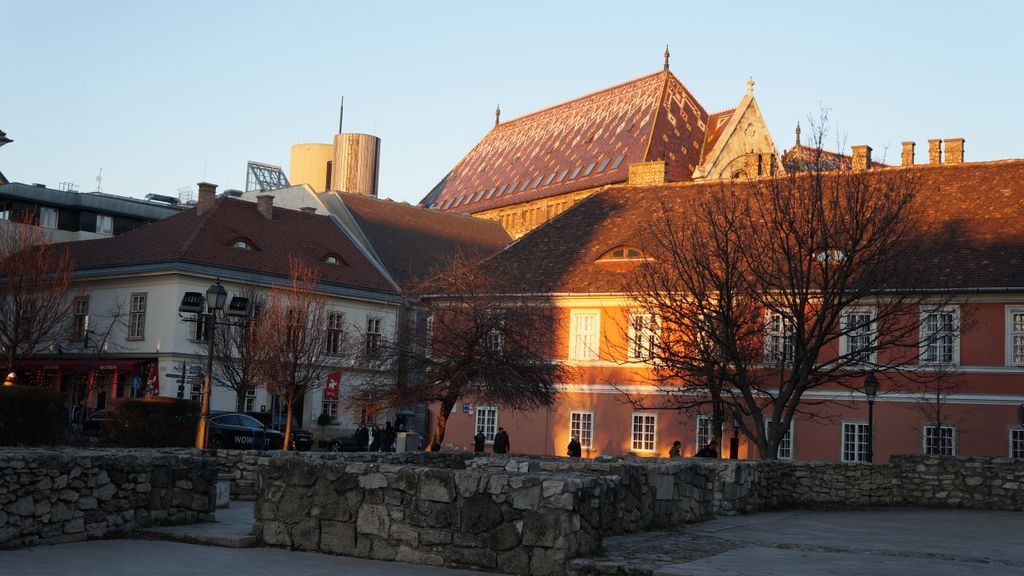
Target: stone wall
[[514, 522], [49, 496]]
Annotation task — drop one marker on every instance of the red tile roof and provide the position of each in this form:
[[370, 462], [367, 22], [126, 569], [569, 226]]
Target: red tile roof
[[581, 144], [414, 243], [716, 125], [208, 239], [973, 211]]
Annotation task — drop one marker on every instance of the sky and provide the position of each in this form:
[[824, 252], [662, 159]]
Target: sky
[[162, 95]]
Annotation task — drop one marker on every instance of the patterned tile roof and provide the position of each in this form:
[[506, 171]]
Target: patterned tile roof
[[581, 144], [973, 211], [716, 125], [209, 239]]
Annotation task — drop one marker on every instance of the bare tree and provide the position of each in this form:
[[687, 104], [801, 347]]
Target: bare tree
[[35, 285], [293, 335], [237, 353], [771, 288], [483, 341]]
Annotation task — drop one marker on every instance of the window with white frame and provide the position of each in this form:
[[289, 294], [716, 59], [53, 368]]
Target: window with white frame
[[104, 224], [495, 338], [939, 337], [199, 328], [1015, 341], [643, 437], [855, 442], [778, 340], [786, 444], [335, 333], [137, 317], [1016, 442], [373, 335], [705, 431], [250, 399], [48, 217], [581, 425], [858, 335], [584, 334], [643, 336], [330, 408], [80, 319], [487, 420], [939, 442]]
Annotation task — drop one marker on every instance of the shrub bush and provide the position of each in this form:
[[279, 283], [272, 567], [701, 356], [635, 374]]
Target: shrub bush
[[154, 422], [29, 415]]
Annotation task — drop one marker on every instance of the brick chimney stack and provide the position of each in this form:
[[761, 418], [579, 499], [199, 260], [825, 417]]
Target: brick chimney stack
[[265, 204], [908, 153], [207, 195], [954, 151], [861, 157], [935, 151]]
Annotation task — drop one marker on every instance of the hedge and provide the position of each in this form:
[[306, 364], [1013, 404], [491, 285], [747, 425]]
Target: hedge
[[29, 415], [154, 422]]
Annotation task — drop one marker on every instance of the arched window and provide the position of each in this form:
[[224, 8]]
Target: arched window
[[624, 253], [243, 244]]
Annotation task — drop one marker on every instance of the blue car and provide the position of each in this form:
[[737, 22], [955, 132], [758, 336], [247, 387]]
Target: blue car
[[243, 432]]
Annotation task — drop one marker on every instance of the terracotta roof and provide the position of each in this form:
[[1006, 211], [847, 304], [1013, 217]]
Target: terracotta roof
[[209, 239], [414, 242], [801, 158], [716, 125], [973, 210], [581, 144]]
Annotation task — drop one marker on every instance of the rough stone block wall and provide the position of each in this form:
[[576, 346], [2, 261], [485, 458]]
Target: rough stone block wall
[[514, 522], [50, 496], [960, 482]]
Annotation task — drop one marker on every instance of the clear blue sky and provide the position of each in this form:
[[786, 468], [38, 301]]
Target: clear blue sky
[[161, 95]]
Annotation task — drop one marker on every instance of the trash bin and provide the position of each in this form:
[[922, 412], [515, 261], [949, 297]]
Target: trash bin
[[400, 442]]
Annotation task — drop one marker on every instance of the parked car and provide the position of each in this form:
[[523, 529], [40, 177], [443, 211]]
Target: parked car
[[302, 439], [233, 430], [345, 444]]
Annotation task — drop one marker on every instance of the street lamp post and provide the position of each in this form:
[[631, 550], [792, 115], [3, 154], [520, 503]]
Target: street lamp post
[[734, 442], [193, 303], [871, 390]]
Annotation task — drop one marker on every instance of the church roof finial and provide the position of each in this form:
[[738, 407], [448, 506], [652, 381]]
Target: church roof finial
[[666, 57], [497, 115], [798, 134], [750, 84]]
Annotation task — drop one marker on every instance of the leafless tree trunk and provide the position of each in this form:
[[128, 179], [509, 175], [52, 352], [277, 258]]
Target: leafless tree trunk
[[35, 289], [237, 354]]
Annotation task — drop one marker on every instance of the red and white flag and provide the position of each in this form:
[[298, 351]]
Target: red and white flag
[[333, 384]]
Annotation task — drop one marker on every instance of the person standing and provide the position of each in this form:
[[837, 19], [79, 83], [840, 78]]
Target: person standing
[[575, 450], [375, 439], [362, 437], [388, 438], [673, 452], [478, 441], [501, 442], [707, 451]]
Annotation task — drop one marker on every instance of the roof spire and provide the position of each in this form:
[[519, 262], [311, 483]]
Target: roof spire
[[750, 85], [497, 115], [666, 57], [341, 114], [798, 134]]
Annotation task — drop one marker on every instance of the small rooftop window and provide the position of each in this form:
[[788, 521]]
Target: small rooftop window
[[617, 162], [562, 176], [490, 193], [590, 168], [549, 178], [242, 244], [447, 204], [536, 182], [502, 189], [512, 188], [623, 253], [576, 172], [479, 195], [525, 183], [604, 164], [334, 259]]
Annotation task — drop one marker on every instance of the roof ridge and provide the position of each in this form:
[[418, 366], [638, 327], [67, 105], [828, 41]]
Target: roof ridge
[[203, 219], [587, 95], [656, 110]]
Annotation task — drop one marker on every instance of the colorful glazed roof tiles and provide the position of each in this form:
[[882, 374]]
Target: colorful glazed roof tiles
[[581, 144]]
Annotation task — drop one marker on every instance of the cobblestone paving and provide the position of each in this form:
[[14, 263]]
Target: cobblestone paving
[[642, 554]]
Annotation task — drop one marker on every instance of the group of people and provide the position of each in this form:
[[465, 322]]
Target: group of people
[[377, 439], [501, 443], [708, 451]]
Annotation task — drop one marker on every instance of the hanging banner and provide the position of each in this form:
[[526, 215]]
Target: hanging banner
[[333, 384], [153, 381]]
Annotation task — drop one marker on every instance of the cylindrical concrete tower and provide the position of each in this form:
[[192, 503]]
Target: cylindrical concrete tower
[[311, 164], [355, 168]]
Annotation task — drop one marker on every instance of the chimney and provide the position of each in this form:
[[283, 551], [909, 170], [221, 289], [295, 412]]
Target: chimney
[[955, 151], [207, 195], [265, 204], [935, 151], [308, 210], [908, 153], [861, 157]]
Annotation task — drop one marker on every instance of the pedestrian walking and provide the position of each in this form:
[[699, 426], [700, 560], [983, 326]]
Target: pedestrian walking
[[478, 441], [673, 452], [362, 437], [708, 451], [574, 449]]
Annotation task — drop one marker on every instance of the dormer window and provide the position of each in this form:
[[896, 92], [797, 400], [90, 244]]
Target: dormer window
[[243, 244], [623, 253]]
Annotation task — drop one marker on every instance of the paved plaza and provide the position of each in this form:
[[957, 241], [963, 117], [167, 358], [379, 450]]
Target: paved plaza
[[909, 542]]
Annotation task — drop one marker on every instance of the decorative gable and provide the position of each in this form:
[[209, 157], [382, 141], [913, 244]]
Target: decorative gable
[[738, 144]]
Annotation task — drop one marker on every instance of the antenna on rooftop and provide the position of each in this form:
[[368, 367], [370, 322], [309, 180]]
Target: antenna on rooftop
[[341, 114], [185, 195], [99, 181]]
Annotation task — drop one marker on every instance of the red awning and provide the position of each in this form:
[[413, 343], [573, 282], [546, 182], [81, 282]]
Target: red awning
[[105, 364]]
